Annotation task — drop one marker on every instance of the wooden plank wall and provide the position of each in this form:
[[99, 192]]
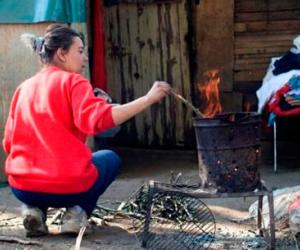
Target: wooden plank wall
[[263, 29], [145, 43]]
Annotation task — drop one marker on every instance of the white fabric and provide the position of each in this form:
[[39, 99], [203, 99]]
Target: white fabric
[[282, 199], [294, 92], [271, 84], [296, 43]]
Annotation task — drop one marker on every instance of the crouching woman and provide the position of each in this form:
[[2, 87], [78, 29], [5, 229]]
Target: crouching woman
[[51, 114]]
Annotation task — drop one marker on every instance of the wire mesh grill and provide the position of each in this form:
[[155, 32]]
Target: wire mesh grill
[[176, 221]]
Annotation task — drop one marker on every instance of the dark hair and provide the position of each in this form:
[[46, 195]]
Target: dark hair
[[56, 36]]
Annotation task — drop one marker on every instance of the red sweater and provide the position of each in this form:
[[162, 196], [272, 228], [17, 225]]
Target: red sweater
[[50, 116]]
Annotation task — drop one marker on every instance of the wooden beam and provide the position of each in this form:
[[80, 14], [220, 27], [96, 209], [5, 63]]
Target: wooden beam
[[249, 75], [266, 25], [265, 5], [266, 15], [278, 49]]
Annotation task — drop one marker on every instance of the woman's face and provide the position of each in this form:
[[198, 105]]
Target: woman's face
[[75, 58]]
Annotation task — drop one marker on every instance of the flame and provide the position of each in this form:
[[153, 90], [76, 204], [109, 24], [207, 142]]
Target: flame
[[210, 94]]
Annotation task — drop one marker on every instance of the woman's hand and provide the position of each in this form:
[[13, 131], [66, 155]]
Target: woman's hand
[[158, 91]]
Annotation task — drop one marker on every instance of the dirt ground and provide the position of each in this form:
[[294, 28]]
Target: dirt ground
[[138, 168]]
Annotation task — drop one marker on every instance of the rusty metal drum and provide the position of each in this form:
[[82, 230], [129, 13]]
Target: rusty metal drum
[[228, 147]]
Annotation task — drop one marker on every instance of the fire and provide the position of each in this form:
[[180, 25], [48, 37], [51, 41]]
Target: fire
[[210, 94]]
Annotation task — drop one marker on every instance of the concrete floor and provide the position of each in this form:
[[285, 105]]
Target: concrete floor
[[141, 166]]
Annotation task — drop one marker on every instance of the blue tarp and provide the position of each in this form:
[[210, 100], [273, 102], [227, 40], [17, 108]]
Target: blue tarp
[[34, 11]]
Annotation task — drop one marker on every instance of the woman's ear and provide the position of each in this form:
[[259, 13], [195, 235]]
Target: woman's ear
[[61, 55]]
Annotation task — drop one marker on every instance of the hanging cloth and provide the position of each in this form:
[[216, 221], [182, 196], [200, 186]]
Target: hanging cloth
[[35, 11], [98, 66]]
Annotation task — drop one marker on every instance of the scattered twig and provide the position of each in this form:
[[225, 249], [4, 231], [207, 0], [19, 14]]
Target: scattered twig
[[55, 216], [7, 219], [174, 180], [11, 239], [107, 209], [296, 242], [177, 178], [251, 231], [79, 238], [97, 221], [242, 220], [121, 206], [9, 225]]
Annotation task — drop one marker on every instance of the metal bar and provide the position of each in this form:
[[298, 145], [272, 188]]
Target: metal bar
[[259, 214], [275, 146], [272, 220], [211, 125], [148, 214], [256, 145], [202, 193], [217, 195]]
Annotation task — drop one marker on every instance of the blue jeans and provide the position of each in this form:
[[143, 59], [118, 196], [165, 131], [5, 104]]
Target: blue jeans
[[108, 163]]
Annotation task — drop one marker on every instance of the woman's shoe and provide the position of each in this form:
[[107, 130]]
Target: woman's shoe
[[34, 221], [73, 220]]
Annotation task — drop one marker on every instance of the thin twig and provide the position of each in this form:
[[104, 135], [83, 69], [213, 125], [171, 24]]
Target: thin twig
[[55, 216], [18, 241], [186, 102], [79, 238], [296, 242], [107, 209], [7, 219]]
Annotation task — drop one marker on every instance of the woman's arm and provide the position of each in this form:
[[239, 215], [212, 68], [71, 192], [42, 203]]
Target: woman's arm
[[122, 113]]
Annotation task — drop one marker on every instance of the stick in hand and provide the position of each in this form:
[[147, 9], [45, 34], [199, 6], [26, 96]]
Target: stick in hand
[[186, 102]]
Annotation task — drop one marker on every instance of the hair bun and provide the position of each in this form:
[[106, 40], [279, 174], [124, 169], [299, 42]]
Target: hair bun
[[54, 26], [33, 42]]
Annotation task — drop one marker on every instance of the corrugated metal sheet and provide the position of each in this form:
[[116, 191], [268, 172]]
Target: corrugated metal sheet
[[145, 43]]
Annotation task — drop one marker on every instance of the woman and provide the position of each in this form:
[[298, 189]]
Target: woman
[[48, 163]]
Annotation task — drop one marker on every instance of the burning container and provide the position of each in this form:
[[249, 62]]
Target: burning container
[[229, 151]]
